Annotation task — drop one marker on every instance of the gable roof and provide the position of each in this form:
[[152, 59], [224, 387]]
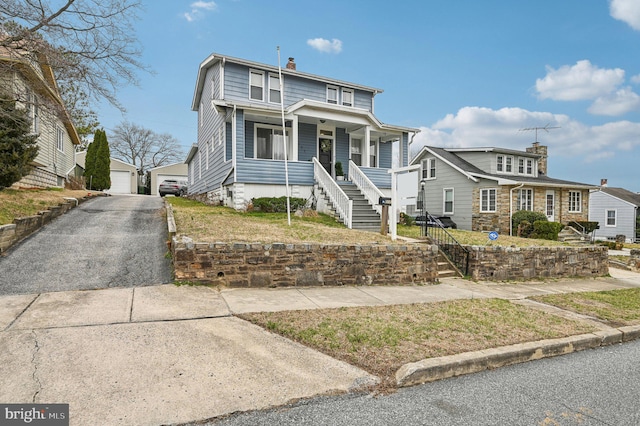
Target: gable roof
[[622, 194], [474, 173]]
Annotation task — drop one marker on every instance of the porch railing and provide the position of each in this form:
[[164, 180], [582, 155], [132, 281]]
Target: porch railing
[[370, 191], [455, 252], [340, 200]]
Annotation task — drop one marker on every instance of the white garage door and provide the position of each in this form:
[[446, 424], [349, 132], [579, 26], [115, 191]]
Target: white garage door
[[120, 182], [168, 177]]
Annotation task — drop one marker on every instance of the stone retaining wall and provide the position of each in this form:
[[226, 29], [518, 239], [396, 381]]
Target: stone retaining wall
[[277, 265], [496, 263]]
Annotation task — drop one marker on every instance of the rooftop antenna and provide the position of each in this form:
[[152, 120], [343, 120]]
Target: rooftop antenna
[[545, 128]]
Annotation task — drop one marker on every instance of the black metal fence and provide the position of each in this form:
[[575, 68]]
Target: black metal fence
[[455, 252]]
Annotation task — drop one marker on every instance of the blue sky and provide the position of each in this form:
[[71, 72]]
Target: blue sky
[[466, 72]]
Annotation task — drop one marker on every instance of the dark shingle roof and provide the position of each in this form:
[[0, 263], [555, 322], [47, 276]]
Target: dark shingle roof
[[475, 171], [623, 194]]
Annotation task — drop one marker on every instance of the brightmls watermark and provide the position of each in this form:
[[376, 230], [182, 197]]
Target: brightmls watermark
[[34, 414]]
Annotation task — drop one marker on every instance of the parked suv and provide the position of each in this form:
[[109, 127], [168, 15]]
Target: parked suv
[[173, 187], [443, 221]]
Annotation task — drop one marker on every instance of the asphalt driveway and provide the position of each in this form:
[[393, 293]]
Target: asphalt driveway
[[117, 241]]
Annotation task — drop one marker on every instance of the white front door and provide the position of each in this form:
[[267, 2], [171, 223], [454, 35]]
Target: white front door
[[551, 206]]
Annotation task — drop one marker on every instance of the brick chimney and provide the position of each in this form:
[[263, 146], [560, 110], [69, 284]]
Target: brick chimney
[[603, 183], [541, 150], [291, 65]]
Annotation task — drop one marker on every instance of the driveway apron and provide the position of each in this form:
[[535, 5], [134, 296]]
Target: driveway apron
[[116, 241]]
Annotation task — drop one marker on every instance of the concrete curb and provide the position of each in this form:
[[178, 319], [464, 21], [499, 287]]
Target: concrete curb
[[432, 369]]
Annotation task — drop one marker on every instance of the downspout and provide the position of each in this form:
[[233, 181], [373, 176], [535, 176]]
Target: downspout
[[511, 207]]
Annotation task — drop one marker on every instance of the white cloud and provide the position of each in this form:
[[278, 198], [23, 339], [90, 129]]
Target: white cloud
[[578, 82], [198, 8], [618, 103], [323, 45], [627, 11], [636, 79], [485, 127]]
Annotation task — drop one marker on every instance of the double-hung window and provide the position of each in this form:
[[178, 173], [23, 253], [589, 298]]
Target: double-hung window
[[429, 168], [529, 166], [332, 94], [274, 89], [488, 200], [575, 201], [508, 164], [525, 199], [347, 97], [270, 143], [500, 163], [256, 85], [611, 218], [521, 166], [447, 199], [59, 139]]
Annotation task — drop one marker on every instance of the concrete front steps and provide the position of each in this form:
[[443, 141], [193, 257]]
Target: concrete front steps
[[572, 236], [445, 268], [365, 218]]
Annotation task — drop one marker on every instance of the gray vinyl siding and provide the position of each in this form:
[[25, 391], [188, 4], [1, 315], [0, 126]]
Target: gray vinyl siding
[[210, 178], [272, 172], [342, 147], [380, 177], [405, 150], [482, 160], [307, 141], [236, 86], [229, 142], [599, 203], [385, 155], [447, 177], [236, 82]]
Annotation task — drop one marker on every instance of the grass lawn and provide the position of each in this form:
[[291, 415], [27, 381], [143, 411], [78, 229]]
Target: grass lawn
[[381, 339], [27, 202], [617, 307]]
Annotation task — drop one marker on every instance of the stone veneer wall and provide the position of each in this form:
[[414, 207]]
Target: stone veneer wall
[[277, 265], [496, 263]]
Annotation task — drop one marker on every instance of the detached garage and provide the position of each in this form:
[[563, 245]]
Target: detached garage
[[176, 171], [124, 176]]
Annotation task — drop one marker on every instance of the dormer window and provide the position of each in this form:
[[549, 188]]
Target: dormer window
[[504, 164], [256, 85], [332, 95], [347, 97]]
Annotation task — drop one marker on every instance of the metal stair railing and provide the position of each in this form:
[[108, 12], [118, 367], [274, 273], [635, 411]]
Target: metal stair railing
[[448, 245], [371, 192], [340, 200]]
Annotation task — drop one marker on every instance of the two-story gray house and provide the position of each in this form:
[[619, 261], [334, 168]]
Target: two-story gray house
[[481, 188], [240, 152]]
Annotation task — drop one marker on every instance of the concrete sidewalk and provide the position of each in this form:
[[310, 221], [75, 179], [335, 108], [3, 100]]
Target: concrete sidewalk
[[166, 354]]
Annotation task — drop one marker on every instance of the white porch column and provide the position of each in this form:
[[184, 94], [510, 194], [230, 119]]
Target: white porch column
[[367, 141], [294, 130]]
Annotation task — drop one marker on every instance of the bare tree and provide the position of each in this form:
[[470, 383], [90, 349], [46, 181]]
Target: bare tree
[[142, 147], [89, 44]]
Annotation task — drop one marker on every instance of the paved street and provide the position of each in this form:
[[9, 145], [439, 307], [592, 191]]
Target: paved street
[[117, 241], [594, 387]]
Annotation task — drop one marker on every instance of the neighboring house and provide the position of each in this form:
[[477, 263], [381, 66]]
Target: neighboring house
[[240, 153], [30, 79], [176, 171], [481, 188], [124, 176], [617, 212]]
